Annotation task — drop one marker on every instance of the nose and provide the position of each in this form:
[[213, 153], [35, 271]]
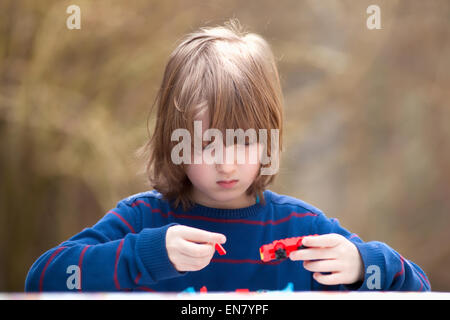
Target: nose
[[226, 169], [228, 163]]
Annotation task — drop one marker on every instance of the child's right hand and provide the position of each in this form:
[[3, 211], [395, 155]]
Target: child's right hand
[[191, 249]]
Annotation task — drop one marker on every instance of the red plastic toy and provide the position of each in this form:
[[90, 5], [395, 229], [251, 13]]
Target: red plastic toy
[[220, 249], [280, 249]]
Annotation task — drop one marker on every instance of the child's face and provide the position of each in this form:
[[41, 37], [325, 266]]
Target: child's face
[[210, 187]]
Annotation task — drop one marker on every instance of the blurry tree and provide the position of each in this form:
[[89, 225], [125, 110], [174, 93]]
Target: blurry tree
[[367, 115]]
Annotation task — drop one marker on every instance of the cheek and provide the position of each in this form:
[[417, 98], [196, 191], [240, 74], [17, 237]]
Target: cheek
[[250, 171], [197, 173], [254, 153], [257, 149]]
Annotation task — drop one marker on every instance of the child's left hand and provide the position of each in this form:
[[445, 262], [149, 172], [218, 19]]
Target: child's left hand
[[335, 254]]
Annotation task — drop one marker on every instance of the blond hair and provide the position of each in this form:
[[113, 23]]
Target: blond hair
[[233, 75]]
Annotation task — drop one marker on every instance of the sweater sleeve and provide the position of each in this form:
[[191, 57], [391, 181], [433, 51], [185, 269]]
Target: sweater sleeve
[[385, 269], [114, 254]]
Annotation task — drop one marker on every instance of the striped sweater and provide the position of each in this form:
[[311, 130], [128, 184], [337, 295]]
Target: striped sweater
[[125, 251]]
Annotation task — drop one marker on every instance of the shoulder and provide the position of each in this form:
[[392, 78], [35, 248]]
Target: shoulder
[[315, 220], [288, 201], [149, 197]]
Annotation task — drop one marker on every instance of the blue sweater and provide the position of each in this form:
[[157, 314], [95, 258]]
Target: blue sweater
[[125, 251]]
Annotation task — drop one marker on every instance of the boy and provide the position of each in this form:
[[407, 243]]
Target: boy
[[164, 239]]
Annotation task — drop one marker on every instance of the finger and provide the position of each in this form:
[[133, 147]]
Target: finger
[[322, 266], [186, 261], [196, 250], [328, 279], [202, 236], [323, 241], [191, 267], [313, 254]]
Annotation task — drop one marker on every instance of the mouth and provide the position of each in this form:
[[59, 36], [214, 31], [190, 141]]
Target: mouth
[[227, 183]]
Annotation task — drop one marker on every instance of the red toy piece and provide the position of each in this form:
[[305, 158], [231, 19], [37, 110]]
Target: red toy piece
[[281, 249], [203, 289], [220, 249]]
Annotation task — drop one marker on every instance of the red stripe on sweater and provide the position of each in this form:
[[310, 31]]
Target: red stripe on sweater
[[402, 270], [240, 261], [80, 262], [143, 288], [123, 220], [424, 278], [137, 202], [119, 249], [138, 277], [243, 221], [41, 279]]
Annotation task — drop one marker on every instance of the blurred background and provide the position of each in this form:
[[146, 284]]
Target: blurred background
[[367, 135]]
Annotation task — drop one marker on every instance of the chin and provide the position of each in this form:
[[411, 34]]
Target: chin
[[229, 195], [224, 197]]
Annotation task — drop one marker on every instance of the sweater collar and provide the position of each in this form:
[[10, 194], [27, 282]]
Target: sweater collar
[[246, 212]]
